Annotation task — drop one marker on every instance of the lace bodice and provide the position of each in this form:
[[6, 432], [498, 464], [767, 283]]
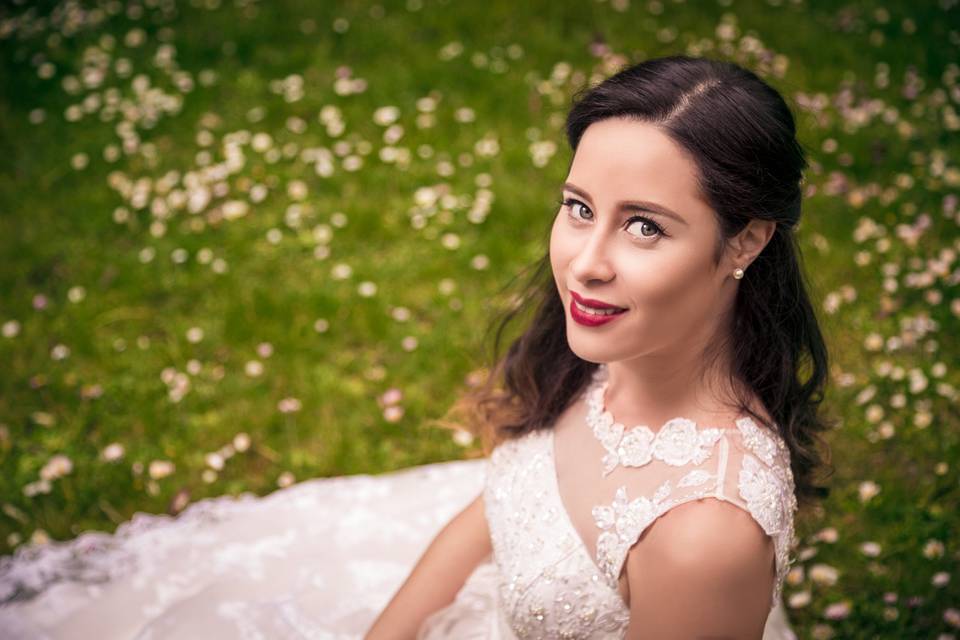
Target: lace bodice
[[551, 585]]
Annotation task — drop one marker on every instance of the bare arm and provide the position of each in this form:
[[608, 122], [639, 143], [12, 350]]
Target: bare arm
[[704, 570], [438, 575]]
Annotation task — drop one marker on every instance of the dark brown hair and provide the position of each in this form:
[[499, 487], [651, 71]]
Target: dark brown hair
[[742, 137]]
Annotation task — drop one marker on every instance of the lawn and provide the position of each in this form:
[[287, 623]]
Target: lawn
[[250, 243]]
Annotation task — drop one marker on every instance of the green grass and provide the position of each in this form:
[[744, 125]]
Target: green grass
[[58, 232]]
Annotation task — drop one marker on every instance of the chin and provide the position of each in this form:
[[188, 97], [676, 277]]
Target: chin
[[594, 356]]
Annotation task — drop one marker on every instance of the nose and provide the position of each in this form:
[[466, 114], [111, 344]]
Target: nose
[[592, 261]]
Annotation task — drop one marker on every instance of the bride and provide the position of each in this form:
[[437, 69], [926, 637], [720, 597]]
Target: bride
[[651, 440]]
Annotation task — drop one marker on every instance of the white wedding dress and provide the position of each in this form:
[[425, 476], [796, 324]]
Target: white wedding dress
[[322, 558]]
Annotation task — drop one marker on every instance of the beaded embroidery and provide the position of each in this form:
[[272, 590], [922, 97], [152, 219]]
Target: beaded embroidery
[[550, 585], [769, 492]]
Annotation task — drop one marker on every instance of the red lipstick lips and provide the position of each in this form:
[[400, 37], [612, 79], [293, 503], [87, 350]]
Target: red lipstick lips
[[589, 319]]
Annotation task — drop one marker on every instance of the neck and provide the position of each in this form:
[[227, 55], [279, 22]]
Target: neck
[[652, 389]]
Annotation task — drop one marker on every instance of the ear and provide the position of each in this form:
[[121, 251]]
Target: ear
[[747, 245]]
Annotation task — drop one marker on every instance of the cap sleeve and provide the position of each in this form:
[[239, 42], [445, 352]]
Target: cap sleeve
[[761, 481], [747, 467], [703, 570]]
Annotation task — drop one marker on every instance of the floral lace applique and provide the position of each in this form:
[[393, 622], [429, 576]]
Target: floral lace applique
[[622, 523], [762, 445], [548, 585], [696, 477], [765, 485], [769, 490], [678, 442], [760, 487]]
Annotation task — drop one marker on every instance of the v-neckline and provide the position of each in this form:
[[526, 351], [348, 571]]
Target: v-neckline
[[568, 522]]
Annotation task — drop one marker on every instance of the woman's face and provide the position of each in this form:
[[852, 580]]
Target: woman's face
[[656, 263]]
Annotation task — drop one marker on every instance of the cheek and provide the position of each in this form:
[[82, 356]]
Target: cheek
[[559, 249], [674, 285]]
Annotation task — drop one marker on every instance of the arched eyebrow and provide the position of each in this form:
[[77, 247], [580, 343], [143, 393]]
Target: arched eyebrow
[[630, 205]]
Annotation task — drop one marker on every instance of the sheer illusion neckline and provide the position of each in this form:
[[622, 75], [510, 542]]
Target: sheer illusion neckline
[[582, 548], [679, 442]]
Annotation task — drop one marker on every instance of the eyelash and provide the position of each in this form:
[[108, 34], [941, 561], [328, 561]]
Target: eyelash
[[569, 202]]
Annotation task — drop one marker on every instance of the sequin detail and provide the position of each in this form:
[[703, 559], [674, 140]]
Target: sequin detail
[[549, 586], [622, 522], [762, 445], [769, 489]]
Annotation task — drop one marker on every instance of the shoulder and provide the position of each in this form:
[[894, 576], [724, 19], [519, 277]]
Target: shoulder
[[704, 567], [513, 443], [763, 474], [703, 535], [517, 452], [763, 442]]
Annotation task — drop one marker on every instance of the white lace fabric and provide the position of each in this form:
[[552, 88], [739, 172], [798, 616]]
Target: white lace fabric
[[319, 560], [565, 506]]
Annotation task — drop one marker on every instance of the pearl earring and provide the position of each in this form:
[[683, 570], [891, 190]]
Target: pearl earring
[[738, 273]]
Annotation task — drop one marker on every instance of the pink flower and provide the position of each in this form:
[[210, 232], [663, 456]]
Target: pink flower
[[289, 405], [391, 396], [837, 610], [393, 413], [952, 617]]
